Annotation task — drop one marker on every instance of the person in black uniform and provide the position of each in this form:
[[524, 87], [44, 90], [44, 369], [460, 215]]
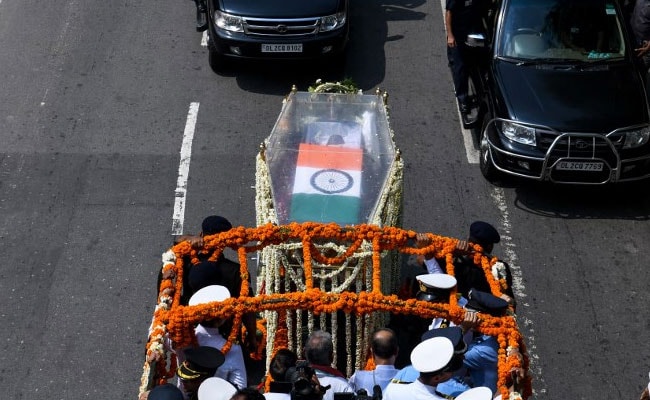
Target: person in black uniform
[[200, 363], [201, 15], [470, 275], [461, 18], [466, 272]]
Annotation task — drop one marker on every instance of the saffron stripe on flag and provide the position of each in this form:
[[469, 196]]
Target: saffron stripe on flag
[[312, 155]]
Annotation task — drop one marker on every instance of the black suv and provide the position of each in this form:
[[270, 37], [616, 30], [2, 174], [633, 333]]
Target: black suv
[[559, 93], [276, 29]]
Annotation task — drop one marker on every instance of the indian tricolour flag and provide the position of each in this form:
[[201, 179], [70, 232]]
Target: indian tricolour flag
[[327, 185]]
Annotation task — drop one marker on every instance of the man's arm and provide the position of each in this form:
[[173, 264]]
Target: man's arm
[[451, 40]]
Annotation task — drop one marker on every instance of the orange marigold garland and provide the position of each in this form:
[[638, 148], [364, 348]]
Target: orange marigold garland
[[175, 321]]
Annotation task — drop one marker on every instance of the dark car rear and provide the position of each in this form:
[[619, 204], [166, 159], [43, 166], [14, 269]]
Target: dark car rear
[[276, 29]]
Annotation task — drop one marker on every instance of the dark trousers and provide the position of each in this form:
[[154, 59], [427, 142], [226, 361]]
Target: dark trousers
[[458, 57]]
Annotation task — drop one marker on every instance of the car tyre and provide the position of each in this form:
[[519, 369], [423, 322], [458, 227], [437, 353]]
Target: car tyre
[[488, 170], [217, 61]]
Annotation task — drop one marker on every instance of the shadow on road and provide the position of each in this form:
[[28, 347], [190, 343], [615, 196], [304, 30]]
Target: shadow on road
[[629, 201]]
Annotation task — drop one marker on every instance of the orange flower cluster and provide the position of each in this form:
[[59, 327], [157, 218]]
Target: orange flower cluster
[[177, 321]]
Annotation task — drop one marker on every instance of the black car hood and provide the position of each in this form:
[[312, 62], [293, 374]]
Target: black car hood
[[280, 8], [596, 99]]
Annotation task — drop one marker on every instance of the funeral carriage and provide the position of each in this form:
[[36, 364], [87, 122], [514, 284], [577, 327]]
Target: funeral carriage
[[327, 244]]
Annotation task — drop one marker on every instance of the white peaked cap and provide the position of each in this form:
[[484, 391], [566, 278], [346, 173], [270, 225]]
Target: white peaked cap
[[432, 354], [437, 281], [216, 389], [209, 294], [477, 393]]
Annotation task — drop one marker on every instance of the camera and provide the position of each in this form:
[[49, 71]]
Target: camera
[[362, 394], [301, 378]]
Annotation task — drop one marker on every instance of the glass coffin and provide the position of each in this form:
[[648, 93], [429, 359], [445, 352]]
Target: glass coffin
[[330, 157]]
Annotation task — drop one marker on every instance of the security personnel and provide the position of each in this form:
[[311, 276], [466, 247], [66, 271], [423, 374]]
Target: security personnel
[[470, 275], [477, 393], [200, 364], [215, 388], [461, 18], [201, 15], [431, 359]]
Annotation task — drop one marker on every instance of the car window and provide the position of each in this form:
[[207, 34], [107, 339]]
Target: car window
[[581, 30]]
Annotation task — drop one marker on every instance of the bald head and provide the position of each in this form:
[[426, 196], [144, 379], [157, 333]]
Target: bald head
[[384, 346]]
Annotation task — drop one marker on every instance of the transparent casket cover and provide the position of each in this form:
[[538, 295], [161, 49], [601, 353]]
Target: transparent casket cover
[[329, 156]]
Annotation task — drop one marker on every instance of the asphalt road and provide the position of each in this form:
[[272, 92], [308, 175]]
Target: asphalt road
[[94, 98]]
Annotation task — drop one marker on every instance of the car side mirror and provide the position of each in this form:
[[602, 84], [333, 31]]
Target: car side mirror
[[475, 40]]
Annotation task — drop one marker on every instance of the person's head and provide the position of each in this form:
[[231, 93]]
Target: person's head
[[483, 234], [435, 288], [203, 274], [384, 346], [200, 363], [280, 363], [214, 224], [247, 394], [432, 358], [319, 348], [215, 388], [476, 393], [210, 294], [165, 392], [455, 335]]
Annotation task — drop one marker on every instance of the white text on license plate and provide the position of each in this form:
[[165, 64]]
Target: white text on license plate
[[282, 48], [580, 166]]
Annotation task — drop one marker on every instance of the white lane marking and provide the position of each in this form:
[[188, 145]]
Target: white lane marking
[[470, 151], [498, 197], [183, 170], [204, 39]]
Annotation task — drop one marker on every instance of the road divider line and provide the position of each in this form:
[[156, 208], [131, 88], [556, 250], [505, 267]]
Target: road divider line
[[180, 193], [498, 197], [204, 39]]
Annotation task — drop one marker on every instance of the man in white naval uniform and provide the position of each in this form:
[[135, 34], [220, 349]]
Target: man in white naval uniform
[[431, 359]]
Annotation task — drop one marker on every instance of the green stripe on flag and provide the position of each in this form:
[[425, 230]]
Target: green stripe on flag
[[344, 210]]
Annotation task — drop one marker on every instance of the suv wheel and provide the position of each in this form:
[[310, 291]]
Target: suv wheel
[[216, 60], [488, 169]]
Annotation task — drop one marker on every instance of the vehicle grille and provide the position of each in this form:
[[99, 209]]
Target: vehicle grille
[[281, 27], [580, 145]]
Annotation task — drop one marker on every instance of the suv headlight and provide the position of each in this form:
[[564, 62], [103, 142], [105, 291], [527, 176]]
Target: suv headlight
[[332, 22], [519, 133], [228, 22], [637, 137]]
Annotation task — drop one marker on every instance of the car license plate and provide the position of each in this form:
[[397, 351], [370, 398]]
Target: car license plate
[[580, 166], [282, 48]]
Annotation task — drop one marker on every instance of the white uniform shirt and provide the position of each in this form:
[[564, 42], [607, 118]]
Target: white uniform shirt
[[337, 384], [367, 379], [233, 369], [412, 391]]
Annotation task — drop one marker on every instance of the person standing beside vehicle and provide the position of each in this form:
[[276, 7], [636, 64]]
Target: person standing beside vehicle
[[462, 17], [640, 23]]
